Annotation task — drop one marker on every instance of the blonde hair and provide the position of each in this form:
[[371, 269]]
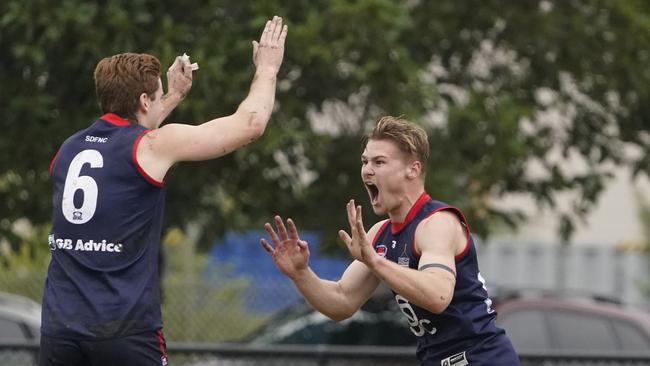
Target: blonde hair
[[409, 137]]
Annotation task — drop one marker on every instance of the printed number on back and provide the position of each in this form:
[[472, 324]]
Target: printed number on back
[[75, 182]]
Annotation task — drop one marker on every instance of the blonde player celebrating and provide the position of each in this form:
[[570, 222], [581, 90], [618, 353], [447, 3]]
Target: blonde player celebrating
[[101, 303], [424, 251]]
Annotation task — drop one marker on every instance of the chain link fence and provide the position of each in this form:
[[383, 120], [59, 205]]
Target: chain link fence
[[210, 313], [225, 354]]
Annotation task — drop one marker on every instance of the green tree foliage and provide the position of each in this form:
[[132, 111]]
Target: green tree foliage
[[501, 87]]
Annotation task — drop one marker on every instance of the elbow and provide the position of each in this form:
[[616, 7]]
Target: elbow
[[340, 315], [437, 307], [342, 311], [256, 119], [256, 125], [438, 303]]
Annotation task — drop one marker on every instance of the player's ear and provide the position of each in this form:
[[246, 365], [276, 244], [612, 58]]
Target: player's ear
[[144, 102], [414, 169]]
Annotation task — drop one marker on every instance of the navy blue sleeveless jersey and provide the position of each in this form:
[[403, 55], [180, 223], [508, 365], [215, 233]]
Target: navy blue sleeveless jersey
[[465, 333], [102, 280]]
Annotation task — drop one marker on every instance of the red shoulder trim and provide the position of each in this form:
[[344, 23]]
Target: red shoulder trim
[[114, 119], [464, 224], [53, 160], [396, 227], [138, 166], [381, 230]]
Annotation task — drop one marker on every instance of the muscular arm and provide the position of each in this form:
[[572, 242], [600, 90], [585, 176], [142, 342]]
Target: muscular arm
[[340, 299], [163, 147], [336, 299], [438, 238], [179, 142]]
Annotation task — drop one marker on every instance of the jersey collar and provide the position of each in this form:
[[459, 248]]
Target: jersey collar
[[114, 119], [396, 227]]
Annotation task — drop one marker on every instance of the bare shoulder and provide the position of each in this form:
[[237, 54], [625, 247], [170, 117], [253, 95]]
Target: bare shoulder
[[374, 230], [443, 230], [441, 222]]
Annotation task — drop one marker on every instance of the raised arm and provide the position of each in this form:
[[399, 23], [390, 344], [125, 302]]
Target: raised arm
[[337, 300], [163, 147]]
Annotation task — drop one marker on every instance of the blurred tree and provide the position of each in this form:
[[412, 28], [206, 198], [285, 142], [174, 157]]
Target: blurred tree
[[509, 93]]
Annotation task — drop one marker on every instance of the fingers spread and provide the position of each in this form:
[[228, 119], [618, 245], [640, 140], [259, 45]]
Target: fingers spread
[[282, 231], [345, 238], [293, 231], [359, 221], [272, 234], [351, 213], [265, 244]]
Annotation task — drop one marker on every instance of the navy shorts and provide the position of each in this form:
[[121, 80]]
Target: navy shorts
[[143, 349]]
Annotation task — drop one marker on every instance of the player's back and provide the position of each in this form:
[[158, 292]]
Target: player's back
[[106, 225]]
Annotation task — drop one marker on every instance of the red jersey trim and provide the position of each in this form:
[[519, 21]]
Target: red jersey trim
[[161, 343], [54, 160], [114, 119], [381, 230], [138, 166], [396, 227], [463, 223]]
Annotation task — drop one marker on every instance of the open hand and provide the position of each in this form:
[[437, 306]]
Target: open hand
[[269, 51], [358, 244], [289, 253]]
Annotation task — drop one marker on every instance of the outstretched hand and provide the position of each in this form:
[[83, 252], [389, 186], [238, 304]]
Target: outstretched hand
[[358, 244], [269, 51], [289, 253]]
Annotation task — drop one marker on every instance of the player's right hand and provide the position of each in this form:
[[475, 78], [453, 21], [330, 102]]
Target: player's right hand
[[269, 51], [289, 253]]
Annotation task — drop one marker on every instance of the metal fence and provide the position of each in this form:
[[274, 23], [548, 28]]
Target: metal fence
[[238, 354]]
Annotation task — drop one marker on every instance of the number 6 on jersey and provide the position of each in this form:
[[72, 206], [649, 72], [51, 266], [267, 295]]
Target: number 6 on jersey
[[74, 182]]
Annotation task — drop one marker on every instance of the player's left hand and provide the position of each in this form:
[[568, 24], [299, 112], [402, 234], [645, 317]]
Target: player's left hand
[[179, 77], [358, 244]]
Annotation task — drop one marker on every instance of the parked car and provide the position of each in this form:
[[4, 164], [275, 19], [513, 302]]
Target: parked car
[[20, 318], [535, 321], [378, 322], [20, 323], [545, 322]]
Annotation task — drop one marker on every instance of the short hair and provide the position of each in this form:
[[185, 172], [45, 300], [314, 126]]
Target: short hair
[[409, 137], [122, 78]]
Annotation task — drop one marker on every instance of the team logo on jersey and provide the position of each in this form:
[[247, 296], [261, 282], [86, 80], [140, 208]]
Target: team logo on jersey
[[403, 261], [459, 359], [76, 215], [381, 250]]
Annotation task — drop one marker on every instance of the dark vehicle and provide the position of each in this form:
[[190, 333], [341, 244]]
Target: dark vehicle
[[534, 322], [378, 322]]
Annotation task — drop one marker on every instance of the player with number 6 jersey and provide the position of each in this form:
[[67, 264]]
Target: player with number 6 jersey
[[107, 217], [101, 302]]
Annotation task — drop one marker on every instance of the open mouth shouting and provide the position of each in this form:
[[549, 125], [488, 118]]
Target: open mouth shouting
[[373, 193]]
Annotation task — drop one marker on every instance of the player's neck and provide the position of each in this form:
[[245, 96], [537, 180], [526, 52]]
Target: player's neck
[[408, 200]]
